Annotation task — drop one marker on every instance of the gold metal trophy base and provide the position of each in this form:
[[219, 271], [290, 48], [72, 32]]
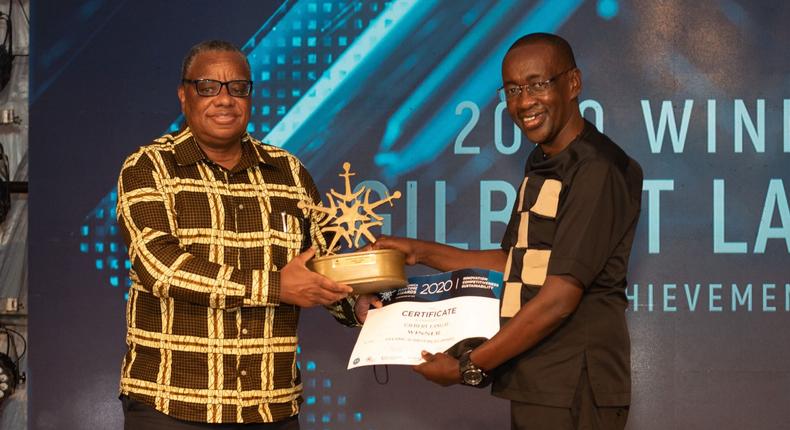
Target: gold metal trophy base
[[366, 272]]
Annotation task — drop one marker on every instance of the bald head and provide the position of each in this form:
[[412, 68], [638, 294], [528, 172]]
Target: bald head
[[561, 46]]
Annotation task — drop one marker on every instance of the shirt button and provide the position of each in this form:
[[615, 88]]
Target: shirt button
[[244, 331], [241, 206], [243, 373]]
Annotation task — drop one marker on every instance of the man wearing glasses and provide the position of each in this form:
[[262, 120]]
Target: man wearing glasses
[[562, 355], [218, 249]]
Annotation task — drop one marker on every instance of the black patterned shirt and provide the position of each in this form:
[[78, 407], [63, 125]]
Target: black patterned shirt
[[208, 338]]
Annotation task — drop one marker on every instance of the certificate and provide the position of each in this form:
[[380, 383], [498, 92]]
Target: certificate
[[431, 314]]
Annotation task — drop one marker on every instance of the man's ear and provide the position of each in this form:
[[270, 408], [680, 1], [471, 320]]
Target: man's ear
[[182, 96], [575, 83]]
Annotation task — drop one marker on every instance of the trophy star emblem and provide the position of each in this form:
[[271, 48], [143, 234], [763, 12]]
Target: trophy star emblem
[[348, 216]]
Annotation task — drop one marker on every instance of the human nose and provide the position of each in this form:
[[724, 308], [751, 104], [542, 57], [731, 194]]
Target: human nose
[[223, 97]]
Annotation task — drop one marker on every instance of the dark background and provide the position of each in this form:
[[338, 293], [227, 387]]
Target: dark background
[[103, 82]]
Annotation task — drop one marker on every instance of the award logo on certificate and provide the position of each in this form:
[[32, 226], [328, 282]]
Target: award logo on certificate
[[350, 216]]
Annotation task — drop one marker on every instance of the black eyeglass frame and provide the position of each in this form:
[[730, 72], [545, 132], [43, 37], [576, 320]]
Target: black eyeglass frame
[[226, 84], [533, 88]]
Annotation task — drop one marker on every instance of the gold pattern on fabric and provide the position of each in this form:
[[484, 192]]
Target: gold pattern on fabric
[[205, 292], [511, 299], [548, 199], [534, 266]]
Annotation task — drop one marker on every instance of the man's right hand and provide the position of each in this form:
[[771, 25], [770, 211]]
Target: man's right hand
[[441, 257], [302, 287], [405, 245]]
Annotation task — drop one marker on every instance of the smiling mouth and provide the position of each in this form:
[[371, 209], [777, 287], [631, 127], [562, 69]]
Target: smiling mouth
[[532, 120], [223, 118]]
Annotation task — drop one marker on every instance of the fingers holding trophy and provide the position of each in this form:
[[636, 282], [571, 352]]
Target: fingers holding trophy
[[350, 216]]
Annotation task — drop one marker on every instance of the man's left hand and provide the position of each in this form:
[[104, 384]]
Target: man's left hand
[[439, 368], [363, 304]]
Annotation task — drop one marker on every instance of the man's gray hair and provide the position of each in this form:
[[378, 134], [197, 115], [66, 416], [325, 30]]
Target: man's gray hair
[[211, 45]]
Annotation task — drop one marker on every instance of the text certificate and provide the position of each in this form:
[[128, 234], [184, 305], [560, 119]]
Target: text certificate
[[431, 313]]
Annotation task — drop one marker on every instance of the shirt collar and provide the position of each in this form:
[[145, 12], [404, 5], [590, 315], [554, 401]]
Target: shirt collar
[[584, 134], [188, 152]]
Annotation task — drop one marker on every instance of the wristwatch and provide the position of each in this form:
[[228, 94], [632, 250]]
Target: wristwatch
[[471, 375]]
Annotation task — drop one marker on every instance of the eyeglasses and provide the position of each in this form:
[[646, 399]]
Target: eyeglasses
[[533, 88], [211, 87]]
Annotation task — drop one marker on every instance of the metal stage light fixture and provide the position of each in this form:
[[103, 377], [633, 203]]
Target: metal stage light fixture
[[9, 377]]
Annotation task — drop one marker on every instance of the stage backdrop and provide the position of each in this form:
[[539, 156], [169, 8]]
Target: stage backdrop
[[697, 92]]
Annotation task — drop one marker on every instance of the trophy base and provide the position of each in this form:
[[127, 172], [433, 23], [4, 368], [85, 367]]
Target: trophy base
[[366, 272]]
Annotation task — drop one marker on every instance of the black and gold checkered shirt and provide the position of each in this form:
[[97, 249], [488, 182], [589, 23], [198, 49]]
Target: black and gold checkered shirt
[[208, 339], [575, 215]]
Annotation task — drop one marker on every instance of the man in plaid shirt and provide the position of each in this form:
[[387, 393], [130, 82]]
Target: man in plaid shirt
[[218, 249]]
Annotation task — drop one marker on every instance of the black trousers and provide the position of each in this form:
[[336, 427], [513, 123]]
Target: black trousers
[[583, 414], [140, 416]]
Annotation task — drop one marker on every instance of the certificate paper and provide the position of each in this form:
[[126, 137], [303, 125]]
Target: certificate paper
[[431, 313]]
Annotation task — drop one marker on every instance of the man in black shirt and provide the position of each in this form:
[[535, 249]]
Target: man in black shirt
[[562, 355]]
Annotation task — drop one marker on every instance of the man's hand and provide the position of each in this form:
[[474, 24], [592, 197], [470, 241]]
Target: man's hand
[[364, 302], [302, 287], [439, 368], [440, 256], [402, 244]]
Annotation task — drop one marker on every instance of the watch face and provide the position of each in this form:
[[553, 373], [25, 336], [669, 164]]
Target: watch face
[[473, 377]]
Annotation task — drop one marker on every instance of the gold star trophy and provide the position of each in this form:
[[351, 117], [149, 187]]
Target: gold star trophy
[[350, 216]]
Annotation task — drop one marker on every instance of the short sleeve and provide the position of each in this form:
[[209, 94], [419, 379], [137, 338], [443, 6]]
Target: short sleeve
[[595, 212]]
